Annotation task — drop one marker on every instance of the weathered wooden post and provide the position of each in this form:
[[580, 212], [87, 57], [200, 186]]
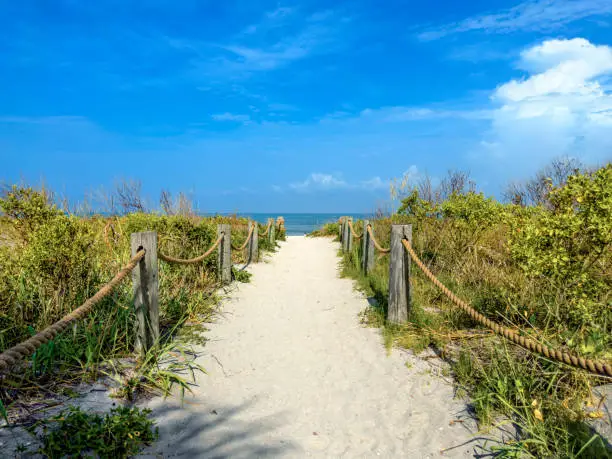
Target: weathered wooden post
[[349, 235], [345, 231], [271, 234], [399, 275], [367, 249], [145, 282], [254, 244], [340, 228], [371, 250], [224, 252]]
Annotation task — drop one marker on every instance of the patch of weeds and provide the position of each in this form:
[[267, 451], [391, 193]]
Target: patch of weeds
[[163, 367], [241, 275], [120, 433]]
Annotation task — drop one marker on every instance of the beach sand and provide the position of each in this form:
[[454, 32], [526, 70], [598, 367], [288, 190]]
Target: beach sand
[[293, 373]]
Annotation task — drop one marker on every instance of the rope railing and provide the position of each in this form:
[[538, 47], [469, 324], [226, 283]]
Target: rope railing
[[595, 367], [28, 347], [264, 234], [145, 285], [248, 239], [375, 242], [355, 235], [191, 261]]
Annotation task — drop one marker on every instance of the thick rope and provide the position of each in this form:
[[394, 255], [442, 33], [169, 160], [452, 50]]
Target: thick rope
[[28, 347], [355, 235], [376, 244], [247, 239], [267, 230], [599, 368], [190, 261]]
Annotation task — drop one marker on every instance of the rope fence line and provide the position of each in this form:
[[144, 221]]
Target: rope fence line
[[191, 261], [28, 347], [595, 367], [399, 300], [248, 239], [264, 234], [375, 242], [145, 286], [355, 235]]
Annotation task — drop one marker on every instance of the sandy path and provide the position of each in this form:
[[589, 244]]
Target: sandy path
[[292, 373]]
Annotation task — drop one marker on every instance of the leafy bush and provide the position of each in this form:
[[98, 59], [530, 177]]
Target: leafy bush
[[473, 208], [413, 205], [118, 434], [27, 209], [571, 245]]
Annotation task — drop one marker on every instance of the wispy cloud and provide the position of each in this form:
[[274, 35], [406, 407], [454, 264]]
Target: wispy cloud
[[231, 117], [282, 36], [401, 114], [319, 181], [43, 120], [531, 15]]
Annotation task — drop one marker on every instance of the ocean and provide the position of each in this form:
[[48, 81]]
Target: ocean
[[300, 224]]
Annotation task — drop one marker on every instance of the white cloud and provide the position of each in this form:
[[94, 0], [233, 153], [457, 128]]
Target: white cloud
[[400, 114], [319, 181], [283, 36], [562, 107], [231, 117], [567, 67], [531, 15]]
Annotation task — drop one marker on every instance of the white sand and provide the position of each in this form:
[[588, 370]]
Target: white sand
[[292, 373]]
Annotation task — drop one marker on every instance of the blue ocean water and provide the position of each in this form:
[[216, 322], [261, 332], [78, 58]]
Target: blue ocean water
[[300, 224]]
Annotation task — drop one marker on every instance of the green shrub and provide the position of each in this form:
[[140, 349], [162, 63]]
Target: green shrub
[[570, 245], [473, 208], [121, 433], [27, 209], [413, 205]]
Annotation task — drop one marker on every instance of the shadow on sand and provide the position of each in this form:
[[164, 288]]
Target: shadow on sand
[[196, 430]]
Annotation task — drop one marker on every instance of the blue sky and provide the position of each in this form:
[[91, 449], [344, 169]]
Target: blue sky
[[298, 106]]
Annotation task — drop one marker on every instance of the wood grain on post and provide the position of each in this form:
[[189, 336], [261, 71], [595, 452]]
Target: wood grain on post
[[254, 244], [145, 281], [349, 238], [364, 247], [271, 234], [370, 251], [399, 275], [224, 252]]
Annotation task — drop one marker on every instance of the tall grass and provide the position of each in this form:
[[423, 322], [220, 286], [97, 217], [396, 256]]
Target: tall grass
[[51, 261]]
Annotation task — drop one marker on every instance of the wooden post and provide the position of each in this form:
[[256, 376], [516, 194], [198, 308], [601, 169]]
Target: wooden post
[[224, 252], [145, 282], [371, 260], [254, 244], [340, 228], [345, 228], [349, 238], [272, 233], [367, 251], [399, 275]]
